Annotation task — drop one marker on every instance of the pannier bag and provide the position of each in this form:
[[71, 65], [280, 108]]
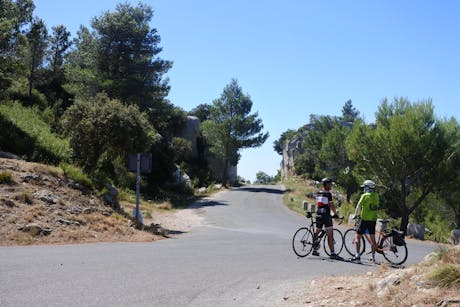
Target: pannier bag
[[398, 237]]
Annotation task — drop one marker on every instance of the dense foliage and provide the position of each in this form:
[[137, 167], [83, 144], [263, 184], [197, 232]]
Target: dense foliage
[[90, 100], [411, 154]]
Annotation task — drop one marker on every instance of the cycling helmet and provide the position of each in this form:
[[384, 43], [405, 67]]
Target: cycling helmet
[[368, 185], [327, 182]]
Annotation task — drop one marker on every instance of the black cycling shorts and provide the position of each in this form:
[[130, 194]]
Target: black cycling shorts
[[323, 217], [366, 225]]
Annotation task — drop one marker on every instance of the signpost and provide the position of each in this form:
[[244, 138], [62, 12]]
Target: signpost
[[139, 163]]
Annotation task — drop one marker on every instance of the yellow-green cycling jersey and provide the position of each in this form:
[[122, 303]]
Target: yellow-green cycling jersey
[[369, 204]]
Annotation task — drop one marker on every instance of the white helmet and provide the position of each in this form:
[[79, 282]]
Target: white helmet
[[368, 184]]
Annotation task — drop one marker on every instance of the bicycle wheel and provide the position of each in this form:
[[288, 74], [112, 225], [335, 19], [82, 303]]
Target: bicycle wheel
[[349, 242], [302, 242], [338, 242], [393, 253]]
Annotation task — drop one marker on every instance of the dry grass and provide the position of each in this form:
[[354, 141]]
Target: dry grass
[[75, 217], [25, 196], [6, 178], [431, 282], [297, 190], [47, 170]]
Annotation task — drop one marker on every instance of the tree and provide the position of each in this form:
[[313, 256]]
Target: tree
[[405, 154], [38, 42], [127, 56], [334, 159], [263, 178], [448, 191], [59, 44], [201, 111], [231, 127], [349, 112], [14, 16], [279, 144], [81, 68], [308, 161]]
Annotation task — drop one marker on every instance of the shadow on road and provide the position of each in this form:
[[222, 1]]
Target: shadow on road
[[205, 203], [261, 189]]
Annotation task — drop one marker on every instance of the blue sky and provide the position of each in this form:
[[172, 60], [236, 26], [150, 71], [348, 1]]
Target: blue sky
[[296, 58]]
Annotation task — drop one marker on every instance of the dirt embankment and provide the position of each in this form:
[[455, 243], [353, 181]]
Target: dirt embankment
[[38, 205]]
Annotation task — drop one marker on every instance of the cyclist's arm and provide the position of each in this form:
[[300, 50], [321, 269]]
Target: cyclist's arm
[[333, 208], [357, 210]]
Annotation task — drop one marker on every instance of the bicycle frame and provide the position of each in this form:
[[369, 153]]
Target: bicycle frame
[[303, 239]]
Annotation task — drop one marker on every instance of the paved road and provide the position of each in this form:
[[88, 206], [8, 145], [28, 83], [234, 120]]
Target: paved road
[[241, 256]]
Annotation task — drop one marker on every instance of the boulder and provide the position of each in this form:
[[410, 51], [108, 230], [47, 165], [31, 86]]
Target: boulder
[[33, 229], [9, 155], [111, 196], [384, 284], [416, 231], [202, 190], [455, 236]]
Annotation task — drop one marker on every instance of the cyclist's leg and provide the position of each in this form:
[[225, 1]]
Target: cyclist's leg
[[357, 241], [360, 231], [318, 228], [370, 225], [330, 238]]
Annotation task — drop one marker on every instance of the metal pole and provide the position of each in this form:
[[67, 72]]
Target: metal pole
[[138, 183]]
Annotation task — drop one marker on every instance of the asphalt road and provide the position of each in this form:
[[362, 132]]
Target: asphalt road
[[241, 256]]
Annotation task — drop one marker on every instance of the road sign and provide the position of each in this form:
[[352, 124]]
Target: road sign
[[145, 163]]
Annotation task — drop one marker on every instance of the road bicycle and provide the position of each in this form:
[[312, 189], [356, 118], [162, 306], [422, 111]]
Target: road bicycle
[[302, 241], [390, 243]]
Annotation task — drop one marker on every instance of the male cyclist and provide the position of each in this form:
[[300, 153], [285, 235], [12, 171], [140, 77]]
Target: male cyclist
[[367, 208], [324, 205]]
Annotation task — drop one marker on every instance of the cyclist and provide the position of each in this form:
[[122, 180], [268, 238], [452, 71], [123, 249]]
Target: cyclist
[[325, 204], [367, 208]]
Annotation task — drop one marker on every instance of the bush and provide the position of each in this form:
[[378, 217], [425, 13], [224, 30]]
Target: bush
[[76, 174], [6, 178], [103, 125]]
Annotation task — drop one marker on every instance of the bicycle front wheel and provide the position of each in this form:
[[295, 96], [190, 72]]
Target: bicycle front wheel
[[393, 253], [302, 242], [349, 242], [337, 240]]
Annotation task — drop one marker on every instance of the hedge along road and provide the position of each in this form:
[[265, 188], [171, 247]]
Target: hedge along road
[[241, 255]]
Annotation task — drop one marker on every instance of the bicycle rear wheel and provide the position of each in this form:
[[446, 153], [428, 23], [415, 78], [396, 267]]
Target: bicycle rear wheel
[[349, 242], [393, 253], [338, 242], [302, 242]]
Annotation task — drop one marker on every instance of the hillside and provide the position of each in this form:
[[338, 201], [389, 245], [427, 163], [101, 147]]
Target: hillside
[[433, 282], [38, 205]]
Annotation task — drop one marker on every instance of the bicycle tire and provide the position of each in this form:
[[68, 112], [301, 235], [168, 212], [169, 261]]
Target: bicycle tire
[[350, 246], [302, 242], [393, 253], [338, 242]]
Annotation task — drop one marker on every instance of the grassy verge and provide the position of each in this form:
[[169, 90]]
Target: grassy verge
[[299, 190]]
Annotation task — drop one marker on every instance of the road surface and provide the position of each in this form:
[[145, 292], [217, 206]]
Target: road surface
[[240, 256]]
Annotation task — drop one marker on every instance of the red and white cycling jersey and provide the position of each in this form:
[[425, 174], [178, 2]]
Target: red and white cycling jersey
[[323, 198]]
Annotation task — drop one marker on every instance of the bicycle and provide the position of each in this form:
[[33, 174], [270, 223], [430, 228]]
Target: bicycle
[[302, 241], [391, 244]]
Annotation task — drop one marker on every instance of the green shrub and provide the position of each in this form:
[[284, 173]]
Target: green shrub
[[76, 174], [25, 133], [445, 276], [6, 178]]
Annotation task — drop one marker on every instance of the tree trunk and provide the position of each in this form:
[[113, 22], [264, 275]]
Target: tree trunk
[[404, 219], [225, 173]]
